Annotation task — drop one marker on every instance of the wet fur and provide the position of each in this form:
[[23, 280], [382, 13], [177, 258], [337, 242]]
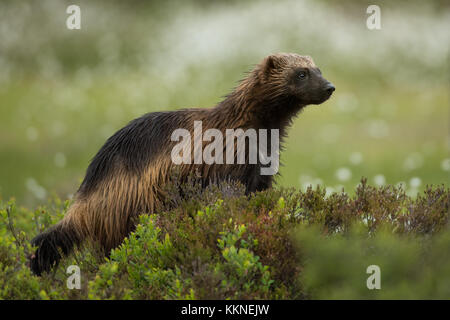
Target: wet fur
[[127, 176]]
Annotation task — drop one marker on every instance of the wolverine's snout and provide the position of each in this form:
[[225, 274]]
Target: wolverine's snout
[[329, 88]]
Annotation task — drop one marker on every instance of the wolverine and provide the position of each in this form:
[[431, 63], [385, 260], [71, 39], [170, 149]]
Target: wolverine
[[128, 175]]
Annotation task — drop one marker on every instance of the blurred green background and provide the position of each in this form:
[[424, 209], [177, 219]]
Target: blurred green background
[[64, 92]]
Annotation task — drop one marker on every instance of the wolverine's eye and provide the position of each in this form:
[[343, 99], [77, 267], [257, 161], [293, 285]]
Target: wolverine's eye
[[302, 75]]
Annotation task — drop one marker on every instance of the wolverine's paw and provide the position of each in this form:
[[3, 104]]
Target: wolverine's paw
[[46, 255]]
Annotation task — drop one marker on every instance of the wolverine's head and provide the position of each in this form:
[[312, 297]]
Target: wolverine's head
[[295, 76]]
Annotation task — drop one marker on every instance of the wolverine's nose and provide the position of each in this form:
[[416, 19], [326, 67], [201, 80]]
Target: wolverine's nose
[[330, 88]]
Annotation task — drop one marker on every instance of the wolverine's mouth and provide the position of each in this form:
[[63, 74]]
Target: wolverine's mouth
[[321, 99], [327, 93], [327, 97]]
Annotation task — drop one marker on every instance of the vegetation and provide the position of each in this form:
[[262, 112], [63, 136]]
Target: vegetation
[[64, 92], [277, 244]]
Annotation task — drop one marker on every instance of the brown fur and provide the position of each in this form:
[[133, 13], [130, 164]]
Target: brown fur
[[129, 174]]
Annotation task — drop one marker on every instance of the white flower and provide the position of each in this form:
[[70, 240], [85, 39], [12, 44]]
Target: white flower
[[413, 161], [355, 158], [445, 164], [37, 190], [329, 191], [415, 182], [379, 180], [343, 174]]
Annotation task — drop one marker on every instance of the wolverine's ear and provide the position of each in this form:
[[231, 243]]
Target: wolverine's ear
[[271, 62]]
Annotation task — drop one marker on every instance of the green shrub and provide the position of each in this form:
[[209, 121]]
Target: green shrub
[[222, 244], [411, 267]]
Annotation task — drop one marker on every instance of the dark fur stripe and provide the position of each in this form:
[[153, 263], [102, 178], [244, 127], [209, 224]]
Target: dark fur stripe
[[57, 240]]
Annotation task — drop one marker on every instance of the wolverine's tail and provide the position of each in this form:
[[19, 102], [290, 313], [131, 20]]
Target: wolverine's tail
[[58, 239]]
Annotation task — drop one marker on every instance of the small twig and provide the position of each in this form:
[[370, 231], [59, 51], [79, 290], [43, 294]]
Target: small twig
[[10, 224], [13, 231], [38, 228]]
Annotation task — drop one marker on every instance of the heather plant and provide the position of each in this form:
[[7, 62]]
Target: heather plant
[[219, 243]]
